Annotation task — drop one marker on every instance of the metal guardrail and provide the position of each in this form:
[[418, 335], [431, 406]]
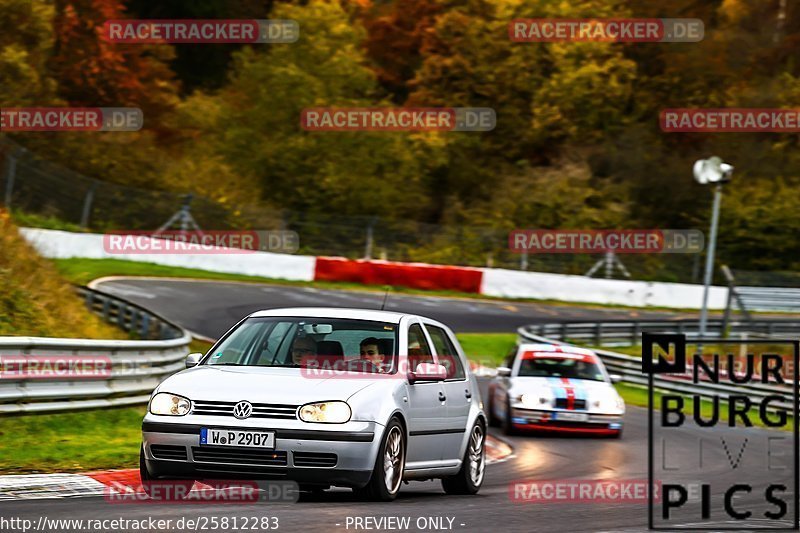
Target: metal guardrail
[[630, 367], [129, 316], [136, 366], [629, 332]]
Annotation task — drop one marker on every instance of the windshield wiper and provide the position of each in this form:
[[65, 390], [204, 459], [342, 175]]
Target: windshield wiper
[[226, 364]]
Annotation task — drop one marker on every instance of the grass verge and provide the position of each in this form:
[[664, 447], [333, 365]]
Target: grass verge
[[487, 349], [71, 442]]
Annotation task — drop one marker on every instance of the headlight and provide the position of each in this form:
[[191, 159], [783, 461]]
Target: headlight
[[528, 400], [165, 403], [531, 401], [325, 412], [610, 404]]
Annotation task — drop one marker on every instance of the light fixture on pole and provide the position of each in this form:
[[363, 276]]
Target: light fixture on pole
[[714, 172]]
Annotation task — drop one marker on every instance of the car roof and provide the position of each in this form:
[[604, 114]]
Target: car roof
[[335, 312], [554, 348]]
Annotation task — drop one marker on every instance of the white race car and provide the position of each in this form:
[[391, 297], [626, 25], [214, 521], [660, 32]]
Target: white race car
[[551, 388]]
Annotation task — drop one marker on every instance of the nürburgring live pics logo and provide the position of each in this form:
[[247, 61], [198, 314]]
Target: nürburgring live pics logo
[[716, 469]]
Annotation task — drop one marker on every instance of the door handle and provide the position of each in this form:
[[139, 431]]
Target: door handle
[[468, 394], [442, 397]]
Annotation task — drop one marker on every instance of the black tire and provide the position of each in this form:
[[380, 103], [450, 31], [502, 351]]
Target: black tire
[[508, 426], [470, 477], [160, 489], [377, 489], [493, 422]]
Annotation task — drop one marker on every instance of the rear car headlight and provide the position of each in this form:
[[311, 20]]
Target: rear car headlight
[[325, 412], [168, 404]]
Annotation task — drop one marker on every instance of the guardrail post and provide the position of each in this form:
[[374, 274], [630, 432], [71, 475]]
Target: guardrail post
[[598, 334], [121, 308], [145, 326], [564, 331], [89, 300], [106, 309], [636, 334]]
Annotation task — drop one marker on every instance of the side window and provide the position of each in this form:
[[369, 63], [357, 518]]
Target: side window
[[418, 349], [448, 356]]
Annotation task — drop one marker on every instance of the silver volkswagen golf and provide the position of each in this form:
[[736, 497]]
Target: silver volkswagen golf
[[346, 397]]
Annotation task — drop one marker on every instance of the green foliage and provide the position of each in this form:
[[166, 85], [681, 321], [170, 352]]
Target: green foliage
[[35, 300], [26, 41], [577, 142]]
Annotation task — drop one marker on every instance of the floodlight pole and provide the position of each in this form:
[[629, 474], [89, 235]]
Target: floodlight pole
[[712, 243]]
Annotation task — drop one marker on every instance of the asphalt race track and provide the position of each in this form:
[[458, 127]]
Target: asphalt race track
[[209, 308]]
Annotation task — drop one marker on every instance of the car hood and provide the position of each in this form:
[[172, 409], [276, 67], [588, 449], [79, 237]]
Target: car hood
[[260, 385], [557, 387]]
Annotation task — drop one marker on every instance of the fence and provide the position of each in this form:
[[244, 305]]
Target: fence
[[33, 185], [136, 366]]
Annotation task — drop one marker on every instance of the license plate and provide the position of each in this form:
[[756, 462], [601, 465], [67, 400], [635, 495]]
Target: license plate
[[570, 417], [236, 437]]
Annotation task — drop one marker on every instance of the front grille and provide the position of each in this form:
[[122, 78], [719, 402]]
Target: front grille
[[166, 451], [318, 459], [239, 456], [561, 403], [260, 410]]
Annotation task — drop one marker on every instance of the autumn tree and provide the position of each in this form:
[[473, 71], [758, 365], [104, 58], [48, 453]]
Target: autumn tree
[[93, 71]]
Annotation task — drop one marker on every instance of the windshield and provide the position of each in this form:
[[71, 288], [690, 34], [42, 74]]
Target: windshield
[[560, 367], [342, 344]]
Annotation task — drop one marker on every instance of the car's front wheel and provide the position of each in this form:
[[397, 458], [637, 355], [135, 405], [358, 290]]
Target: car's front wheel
[[387, 475], [508, 424], [470, 477]]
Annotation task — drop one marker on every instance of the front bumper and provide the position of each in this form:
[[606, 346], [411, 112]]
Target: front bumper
[[548, 420], [343, 455]]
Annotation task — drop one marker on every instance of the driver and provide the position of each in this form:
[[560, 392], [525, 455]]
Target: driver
[[371, 351], [303, 347]]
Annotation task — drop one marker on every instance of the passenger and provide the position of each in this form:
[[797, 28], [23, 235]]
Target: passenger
[[303, 347], [371, 351]]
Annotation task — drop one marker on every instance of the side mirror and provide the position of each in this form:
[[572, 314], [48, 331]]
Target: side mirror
[[503, 372], [427, 372], [192, 359], [615, 378]]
